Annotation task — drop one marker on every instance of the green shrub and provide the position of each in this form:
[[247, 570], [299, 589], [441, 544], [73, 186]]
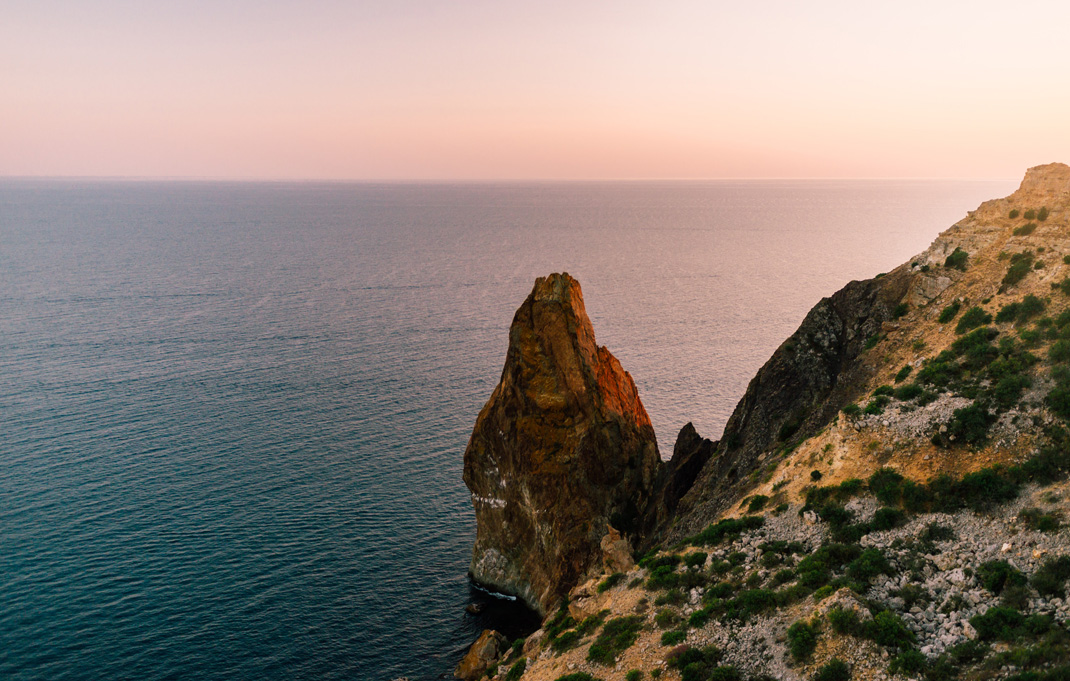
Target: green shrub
[[725, 529], [845, 621], [1026, 229], [1050, 579], [887, 629], [903, 373], [672, 638], [617, 636], [885, 484], [1035, 519], [634, 675], [958, 259], [1042, 214], [1030, 214], [872, 341], [567, 640], [610, 582], [912, 594], [999, 623], [578, 676], [967, 425], [834, 670], [1014, 213], [868, 565], [900, 310], [949, 312], [852, 410], [972, 318], [996, 575], [662, 577], [517, 670], [757, 503], [887, 519], [908, 392], [877, 405], [1021, 264], [910, 662], [666, 618], [884, 390], [802, 640]]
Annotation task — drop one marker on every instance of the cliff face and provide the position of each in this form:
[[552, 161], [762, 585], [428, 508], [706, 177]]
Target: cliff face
[[864, 335], [796, 392], [562, 450]]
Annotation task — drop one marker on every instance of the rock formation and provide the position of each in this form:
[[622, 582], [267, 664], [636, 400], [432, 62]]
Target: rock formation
[[481, 655], [562, 450]]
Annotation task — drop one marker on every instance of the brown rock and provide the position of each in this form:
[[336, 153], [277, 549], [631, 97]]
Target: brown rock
[[481, 655], [616, 553], [562, 448]]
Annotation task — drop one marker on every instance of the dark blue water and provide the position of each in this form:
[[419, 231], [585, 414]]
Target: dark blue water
[[232, 415]]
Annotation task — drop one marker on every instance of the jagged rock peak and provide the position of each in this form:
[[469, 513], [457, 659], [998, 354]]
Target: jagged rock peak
[[562, 450]]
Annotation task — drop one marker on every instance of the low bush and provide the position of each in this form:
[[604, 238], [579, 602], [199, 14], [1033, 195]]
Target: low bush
[[868, 565], [1050, 579], [887, 519], [1014, 213], [1021, 264], [996, 575], [757, 503], [900, 310], [1042, 214], [887, 629], [909, 392], [672, 638], [802, 640], [909, 662], [517, 670], [845, 621], [617, 636], [610, 582], [730, 528], [903, 373], [834, 670], [957, 260], [1038, 520], [949, 312], [972, 318], [1030, 214], [1026, 229], [886, 485]]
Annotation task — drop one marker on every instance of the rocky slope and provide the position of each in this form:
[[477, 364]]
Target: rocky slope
[[888, 499]]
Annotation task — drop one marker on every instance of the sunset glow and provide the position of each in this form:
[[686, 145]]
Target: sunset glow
[[489, 90]]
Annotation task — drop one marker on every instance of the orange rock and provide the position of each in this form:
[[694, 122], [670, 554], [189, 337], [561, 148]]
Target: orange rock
[[562, 448]]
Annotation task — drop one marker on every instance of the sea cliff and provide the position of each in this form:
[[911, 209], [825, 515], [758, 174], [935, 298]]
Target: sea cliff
[[886, 500]]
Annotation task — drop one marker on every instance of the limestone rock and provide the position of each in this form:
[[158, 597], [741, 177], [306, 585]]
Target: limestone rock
[[562, 449], [616, 553], [481, 655]]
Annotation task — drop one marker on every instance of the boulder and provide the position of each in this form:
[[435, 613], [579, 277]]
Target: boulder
[[562, 449], [616, 553], [483, 653]]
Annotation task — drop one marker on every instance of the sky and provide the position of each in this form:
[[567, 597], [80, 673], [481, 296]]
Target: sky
[[498, 90]]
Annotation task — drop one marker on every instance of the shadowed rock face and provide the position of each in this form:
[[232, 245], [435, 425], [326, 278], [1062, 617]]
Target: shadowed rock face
[[562, 450]]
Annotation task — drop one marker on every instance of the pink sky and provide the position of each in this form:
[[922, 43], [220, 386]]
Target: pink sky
[[553, 90]]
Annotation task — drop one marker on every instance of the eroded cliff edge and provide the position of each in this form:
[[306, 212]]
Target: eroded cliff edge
[[562, 451]]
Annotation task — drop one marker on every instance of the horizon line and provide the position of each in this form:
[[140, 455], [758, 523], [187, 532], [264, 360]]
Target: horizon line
[[508, 180]]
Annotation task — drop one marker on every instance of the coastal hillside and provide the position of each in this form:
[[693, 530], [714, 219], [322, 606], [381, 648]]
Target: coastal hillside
[[887, 500]]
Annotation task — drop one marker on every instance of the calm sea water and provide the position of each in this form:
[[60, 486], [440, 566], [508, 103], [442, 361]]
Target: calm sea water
[[232, 415]]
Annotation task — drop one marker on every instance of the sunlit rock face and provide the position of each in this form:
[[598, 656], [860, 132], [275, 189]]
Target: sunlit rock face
[[562, 450]]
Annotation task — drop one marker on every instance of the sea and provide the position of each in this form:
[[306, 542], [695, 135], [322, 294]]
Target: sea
[[232, 415]]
